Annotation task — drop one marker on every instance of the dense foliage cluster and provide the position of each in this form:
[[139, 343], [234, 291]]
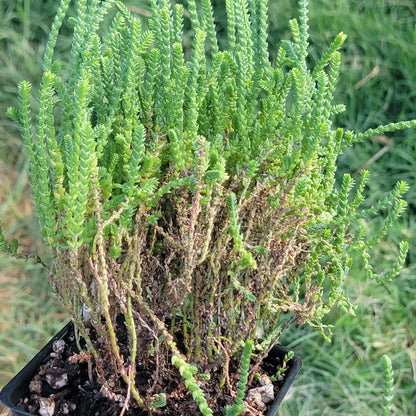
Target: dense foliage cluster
[[194, 186]]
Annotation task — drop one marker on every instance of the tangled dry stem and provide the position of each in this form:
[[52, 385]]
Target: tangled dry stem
[[187, 266]]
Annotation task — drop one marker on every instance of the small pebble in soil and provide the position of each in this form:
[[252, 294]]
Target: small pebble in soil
[[264, 380], [46, 406], [35, 386], [58, 346], [56, 377], [258, 397], [67, 408]]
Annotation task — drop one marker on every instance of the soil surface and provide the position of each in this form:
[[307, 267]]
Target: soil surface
[[66, 385]]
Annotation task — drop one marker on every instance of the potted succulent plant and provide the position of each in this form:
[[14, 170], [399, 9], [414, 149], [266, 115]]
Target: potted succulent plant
[[190, 203]]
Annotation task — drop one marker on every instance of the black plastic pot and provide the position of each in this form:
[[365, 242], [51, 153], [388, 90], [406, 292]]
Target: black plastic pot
[[276, 356], [18, 386]]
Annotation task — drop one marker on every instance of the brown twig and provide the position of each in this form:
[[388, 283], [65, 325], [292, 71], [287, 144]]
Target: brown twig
[[388, 145], [126, 402], [367, 78], [252, 410], [227, 368], [157, 370]]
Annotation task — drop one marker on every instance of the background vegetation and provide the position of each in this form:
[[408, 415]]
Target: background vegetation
[[378, 84]]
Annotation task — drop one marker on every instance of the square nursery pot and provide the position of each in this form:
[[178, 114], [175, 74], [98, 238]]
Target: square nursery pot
[[19, 385]]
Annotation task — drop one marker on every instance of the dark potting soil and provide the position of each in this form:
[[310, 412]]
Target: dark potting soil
[[66, 384]]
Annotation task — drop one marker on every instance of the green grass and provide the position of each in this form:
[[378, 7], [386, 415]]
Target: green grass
[[29, 316], [378, 85], [346, 377]]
